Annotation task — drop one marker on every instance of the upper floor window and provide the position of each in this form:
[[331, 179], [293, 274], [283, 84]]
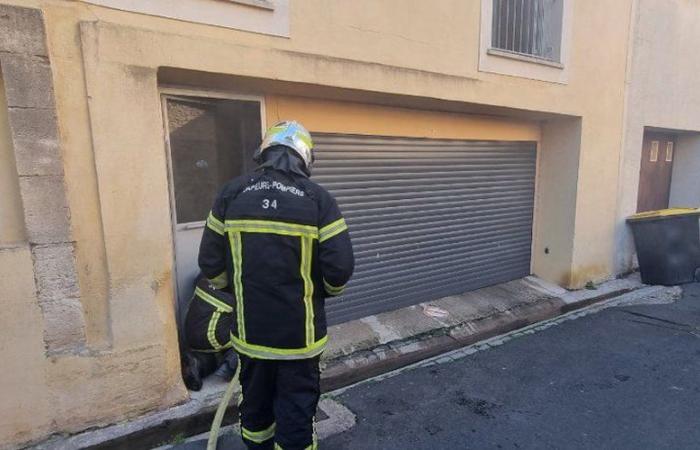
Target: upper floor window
[[531, 28], [259, 16]]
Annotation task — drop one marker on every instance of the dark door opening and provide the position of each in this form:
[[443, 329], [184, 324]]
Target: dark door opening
[[655, 172]]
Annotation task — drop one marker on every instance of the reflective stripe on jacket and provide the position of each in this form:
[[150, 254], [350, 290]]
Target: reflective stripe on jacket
[[208, 319], [280, 243]]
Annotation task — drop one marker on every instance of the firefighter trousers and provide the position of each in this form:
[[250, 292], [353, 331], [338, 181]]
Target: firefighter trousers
[[278, 404]]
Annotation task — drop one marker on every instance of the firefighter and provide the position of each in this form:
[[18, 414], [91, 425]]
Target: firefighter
[[279, 240]]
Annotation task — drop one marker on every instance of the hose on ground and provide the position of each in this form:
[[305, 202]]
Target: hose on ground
[[221, 410]]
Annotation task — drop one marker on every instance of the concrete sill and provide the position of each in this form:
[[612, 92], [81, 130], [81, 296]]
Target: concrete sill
[[262, 4], [523, 57]]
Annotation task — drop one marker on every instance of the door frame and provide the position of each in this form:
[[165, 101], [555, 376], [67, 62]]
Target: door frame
[[165, 93], [648, 137]]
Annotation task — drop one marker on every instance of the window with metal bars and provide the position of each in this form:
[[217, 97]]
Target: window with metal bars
[[528, 27]]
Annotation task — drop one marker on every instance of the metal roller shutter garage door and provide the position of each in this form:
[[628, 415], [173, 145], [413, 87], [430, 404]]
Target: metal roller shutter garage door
[[428, 218]]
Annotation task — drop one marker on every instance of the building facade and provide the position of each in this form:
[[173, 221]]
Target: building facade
[[468, 143]]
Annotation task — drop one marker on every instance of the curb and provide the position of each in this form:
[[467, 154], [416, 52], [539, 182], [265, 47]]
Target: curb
[[364, 364], [652, 295], [361, 365]]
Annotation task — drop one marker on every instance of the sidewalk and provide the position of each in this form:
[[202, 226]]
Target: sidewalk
[[375, 345], [619, 374]]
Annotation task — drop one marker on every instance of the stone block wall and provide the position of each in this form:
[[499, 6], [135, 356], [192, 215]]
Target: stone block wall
[[28, 81]]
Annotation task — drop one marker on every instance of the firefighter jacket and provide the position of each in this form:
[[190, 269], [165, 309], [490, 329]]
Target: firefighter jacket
[[279, 240], [208, 319]]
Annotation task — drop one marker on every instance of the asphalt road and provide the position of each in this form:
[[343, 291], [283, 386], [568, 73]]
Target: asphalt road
[[624, 378]]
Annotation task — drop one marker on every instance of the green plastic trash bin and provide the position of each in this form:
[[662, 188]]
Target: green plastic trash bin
[[668, 245]]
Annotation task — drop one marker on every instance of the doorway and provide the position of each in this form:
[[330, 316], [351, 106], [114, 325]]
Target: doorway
[[656, 171], [209, 140]]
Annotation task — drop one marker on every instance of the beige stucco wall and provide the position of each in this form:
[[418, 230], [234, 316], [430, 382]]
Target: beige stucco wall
[[24, 413], [555, 202], [662, 92], [358, 118], [12, 218], [685, 188], [130, 364], [105, 66], [26, 408]]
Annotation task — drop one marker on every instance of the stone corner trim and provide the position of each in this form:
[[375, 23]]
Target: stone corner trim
[[26, 71]]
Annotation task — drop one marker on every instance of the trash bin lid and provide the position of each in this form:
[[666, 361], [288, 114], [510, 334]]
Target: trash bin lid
[[664, 214]]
